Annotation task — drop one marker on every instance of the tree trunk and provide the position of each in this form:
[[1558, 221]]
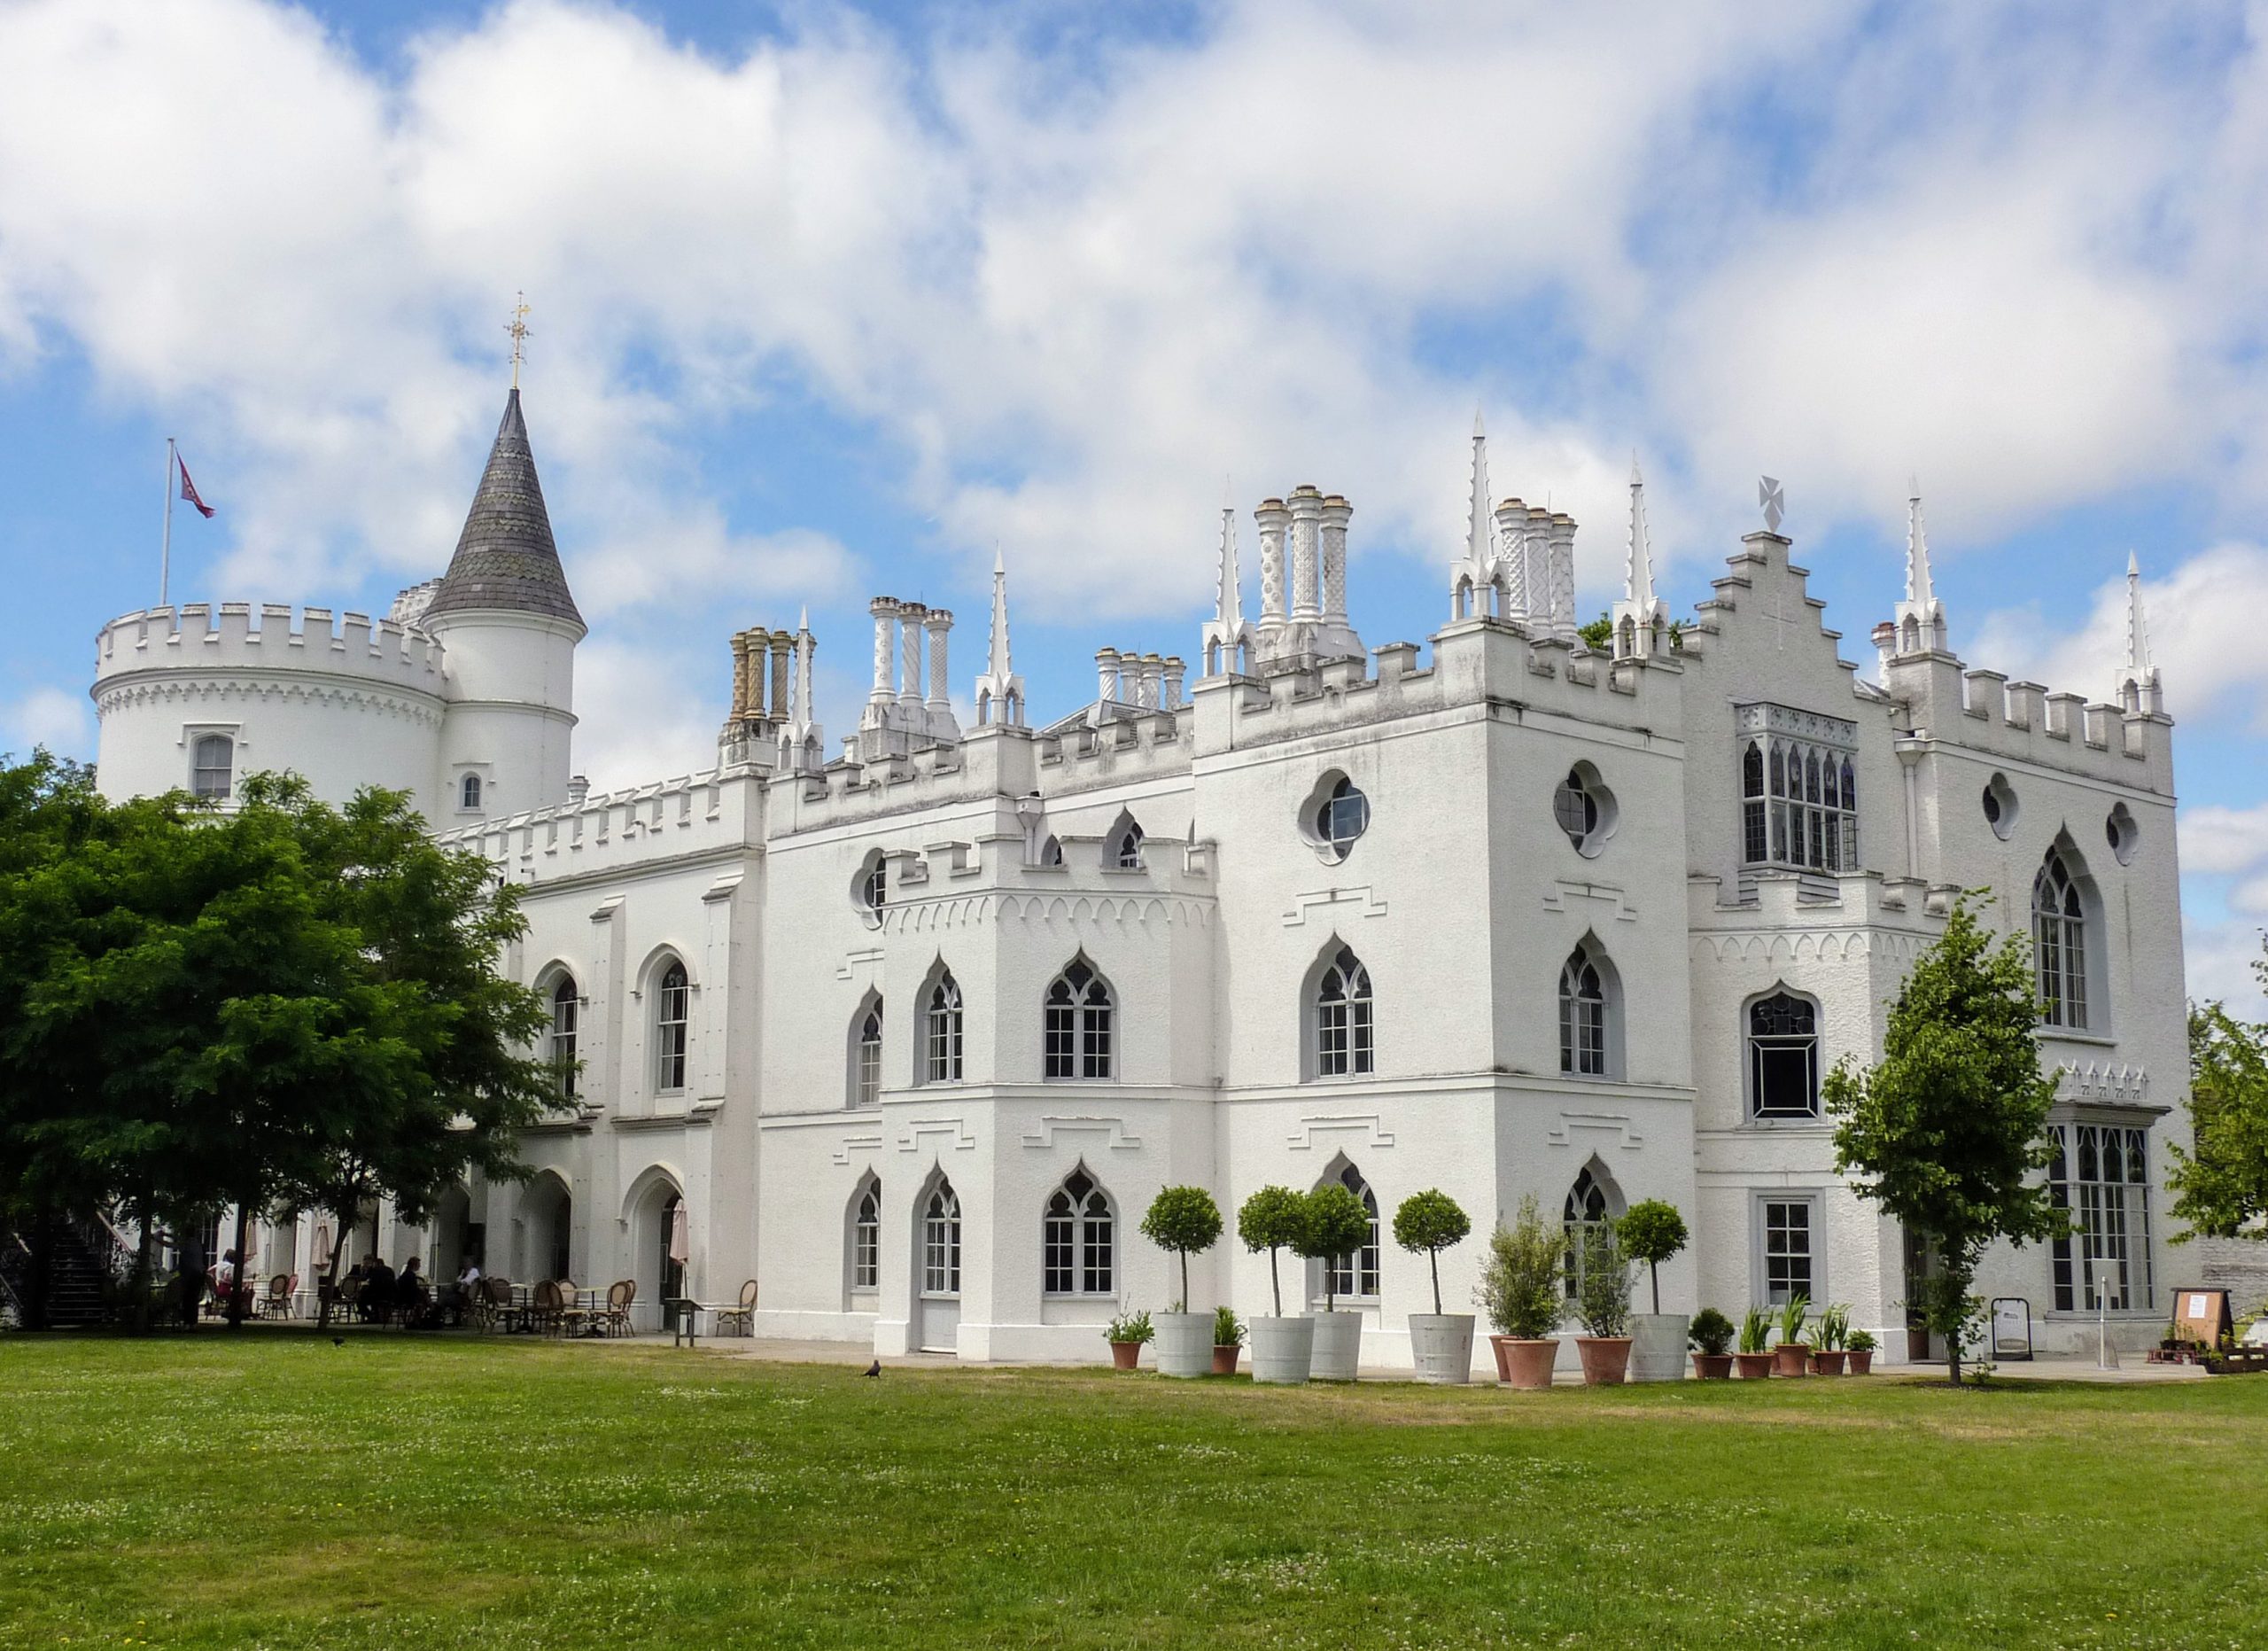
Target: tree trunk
[[1275, 1289], [37, 1282], [1185, 1281], [237, 1282], [329, 1294], [1433, 1260], [143, 1243], [1654, 1277]]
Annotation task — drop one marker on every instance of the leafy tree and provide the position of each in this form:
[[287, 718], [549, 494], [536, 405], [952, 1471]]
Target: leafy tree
[[1521, 1289], [1332, 1223], [1603, 1289], [1182, 1220], [1598, 635], [1948, 1133], [1651, 1232], [2221, 1187], [1269, 1221], [1430, 1222]]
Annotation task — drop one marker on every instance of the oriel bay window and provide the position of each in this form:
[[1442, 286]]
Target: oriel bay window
[[1799, 789]]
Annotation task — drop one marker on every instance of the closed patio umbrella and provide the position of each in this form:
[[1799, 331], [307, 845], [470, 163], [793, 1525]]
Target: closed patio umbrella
[[680, 1236]]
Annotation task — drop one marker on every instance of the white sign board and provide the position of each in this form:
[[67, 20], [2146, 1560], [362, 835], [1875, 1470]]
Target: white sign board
[[2011, 1328]]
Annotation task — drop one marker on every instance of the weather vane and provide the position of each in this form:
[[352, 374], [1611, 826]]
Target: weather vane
[[519, 332], [1774, 500]]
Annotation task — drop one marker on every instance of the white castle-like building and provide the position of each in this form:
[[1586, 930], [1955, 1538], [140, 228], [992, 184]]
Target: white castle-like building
[[913, 1032]]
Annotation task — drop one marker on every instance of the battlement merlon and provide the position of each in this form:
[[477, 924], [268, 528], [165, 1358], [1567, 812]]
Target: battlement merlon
[[718, 811], [195, 638], [1943, 700]]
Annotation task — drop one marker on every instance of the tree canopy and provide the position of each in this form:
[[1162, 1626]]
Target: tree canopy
[[1949, 1131], [2221, 1186]]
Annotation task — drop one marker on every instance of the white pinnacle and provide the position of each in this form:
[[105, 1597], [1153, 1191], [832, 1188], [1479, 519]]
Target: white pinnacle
[[2138, 629], [1479, 547], [1228, 597], [997, 666], [1919, 589], [1638, 578]]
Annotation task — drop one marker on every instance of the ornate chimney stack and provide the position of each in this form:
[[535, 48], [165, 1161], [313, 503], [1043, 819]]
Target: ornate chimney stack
[[1274, 521], [782, 644], [910, 615], [885, 613], [1306, 595]]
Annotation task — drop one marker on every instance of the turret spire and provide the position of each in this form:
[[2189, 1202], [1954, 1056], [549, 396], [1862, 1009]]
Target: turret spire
[[1920, 617], [1227, 598], [1638, 578], [999, 691], [1641, 621], [1480, 569], [2138, 689], [506, 559], [1228, 642]]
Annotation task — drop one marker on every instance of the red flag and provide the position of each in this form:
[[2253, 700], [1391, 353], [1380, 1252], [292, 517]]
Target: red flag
[[189, 490]]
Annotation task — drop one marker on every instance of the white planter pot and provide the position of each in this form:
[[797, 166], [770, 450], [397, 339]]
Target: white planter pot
[[1338, 1345], [1183, 1346], [1658, 1346], [1441, 1345], [1281, 1349]]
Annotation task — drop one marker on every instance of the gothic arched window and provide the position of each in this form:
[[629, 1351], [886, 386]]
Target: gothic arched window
[[941, 1061], [1078, 1239], [566, 1013], [2059, 946], [1755, 845], [672, 1018], [1582, 1017], [1078, 1015], [1589, 1206], [941, 1242], [866, 1056], [1126, 848], [1356, 1272], [1784, 1056], [1342, 1018], [867, 1235]]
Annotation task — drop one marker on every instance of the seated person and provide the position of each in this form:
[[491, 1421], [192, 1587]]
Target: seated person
[[376, 1299], [410, 1292]]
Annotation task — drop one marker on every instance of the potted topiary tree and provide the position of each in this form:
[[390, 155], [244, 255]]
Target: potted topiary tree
[[1651, 1233], [1522, 1293], [1334, 1224], [1712, 1334], [1755, 1355], [1126, 1336], [1862, 1352], [1440, 1344], [1789, 1354], [1187, 1221], [1603, 1304], [1228, 1341], [1282, 1348]]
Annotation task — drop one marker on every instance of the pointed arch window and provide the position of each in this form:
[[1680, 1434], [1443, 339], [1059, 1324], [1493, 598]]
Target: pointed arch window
[[1356, 1272], [1343, 1018], [212, 766], [1799, 789], [672, 1019], [1784, 1056], [1756, 843], [867, 1236], [867, 1056], [1126, 847], [1079, 1239], [1582, 1017], [2059, 944], [941, 1242], [1050, 851], [566, 1016], [1589, 1207], [1078, 1024], [941, 1058]]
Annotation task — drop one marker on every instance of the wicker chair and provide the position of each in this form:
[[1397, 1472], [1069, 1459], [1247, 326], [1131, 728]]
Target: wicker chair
[[491, 1304], [277, 1303], [615, 1320], [547, 1310], [739, 1319]]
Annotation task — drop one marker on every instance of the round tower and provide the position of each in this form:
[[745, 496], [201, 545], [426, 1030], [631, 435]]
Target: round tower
[[508, 625]]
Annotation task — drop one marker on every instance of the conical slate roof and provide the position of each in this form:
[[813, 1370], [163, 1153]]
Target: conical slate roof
[[506, 559]]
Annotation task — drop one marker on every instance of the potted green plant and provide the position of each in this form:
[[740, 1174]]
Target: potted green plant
[[1127, 1334], [1712, 1335], [1334, 1224], [1651, 1233], [1185, 1221], [1789, 1354], [1754, 1359], [1228, 1341], [1862, 1352], [1603, 1307], [1282, 1348], [1830, 1338], [1522, 1293], [1440, 1344]]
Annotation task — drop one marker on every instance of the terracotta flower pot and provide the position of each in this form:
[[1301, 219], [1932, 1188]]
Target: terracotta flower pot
[[1714, 1366], [1754, 1366], [1862, 1362], [1790, 1358], [1524, 1363], [1225, 1358], [1829, 1361], [1606, 1360], [1125, 1355]]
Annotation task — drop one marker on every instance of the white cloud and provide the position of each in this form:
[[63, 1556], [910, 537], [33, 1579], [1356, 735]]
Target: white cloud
[[2221, 959], [51, 717], [2215, 838]]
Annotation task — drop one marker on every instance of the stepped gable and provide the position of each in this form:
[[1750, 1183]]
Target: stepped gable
[[506, 558]]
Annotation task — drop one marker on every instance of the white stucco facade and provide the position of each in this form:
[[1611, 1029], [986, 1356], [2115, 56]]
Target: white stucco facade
[[738, 904]]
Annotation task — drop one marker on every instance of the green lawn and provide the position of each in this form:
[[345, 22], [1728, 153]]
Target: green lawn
[[274, 1490]]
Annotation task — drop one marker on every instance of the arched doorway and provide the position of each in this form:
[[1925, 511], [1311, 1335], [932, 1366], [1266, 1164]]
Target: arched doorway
[[936, 1269], [659, 1249]]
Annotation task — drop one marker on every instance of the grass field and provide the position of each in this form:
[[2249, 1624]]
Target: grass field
[[272, 1489]]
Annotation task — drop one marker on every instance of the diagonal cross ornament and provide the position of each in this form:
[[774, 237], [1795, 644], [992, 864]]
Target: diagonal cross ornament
[[1774, 500]]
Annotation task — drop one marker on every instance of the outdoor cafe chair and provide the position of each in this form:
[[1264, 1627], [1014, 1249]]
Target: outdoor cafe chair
[[277, 1303], [615, 1321], [740, 1319]]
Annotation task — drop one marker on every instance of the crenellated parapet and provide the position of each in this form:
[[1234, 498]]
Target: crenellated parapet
[[605, 833], [197, 644], [1982, 711]]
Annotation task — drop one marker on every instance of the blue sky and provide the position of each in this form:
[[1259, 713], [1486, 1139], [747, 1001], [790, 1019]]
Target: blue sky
[[830, 301]]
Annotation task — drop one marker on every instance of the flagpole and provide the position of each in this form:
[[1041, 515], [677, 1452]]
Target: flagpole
[[165, 543]]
